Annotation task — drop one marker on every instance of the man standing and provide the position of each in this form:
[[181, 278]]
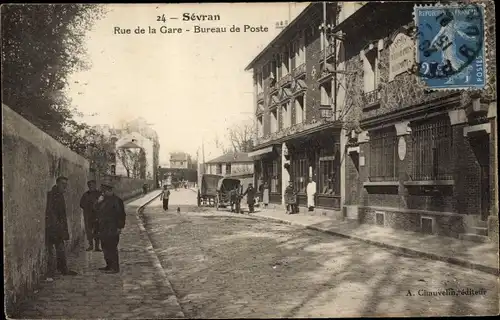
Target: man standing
[[311, 193], [250, 193], [87, 203], [56, 227], [111, 217], [290, 198], [165, 195]]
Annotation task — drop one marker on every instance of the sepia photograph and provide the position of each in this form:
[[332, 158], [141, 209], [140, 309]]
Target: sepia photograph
[[250, 160]]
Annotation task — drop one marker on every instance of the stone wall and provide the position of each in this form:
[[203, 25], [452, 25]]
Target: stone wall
[[32, 161]]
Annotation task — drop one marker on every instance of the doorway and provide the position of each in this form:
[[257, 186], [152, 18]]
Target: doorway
[[481, 146]]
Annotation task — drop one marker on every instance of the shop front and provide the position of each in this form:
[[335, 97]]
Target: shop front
[[267, 168], [318, 156]]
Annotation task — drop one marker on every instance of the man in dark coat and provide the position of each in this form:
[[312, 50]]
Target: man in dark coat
[[56, 227], [87, 203], [111, 216], [250, 193]]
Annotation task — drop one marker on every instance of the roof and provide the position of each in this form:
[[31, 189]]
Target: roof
[[232, 157], [178, 156], [280, 35], [129, 145]]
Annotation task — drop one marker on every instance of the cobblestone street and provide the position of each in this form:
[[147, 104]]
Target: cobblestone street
[[222, 267], [139, 291]]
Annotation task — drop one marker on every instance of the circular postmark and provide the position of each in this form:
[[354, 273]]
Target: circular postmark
[[449, 38]]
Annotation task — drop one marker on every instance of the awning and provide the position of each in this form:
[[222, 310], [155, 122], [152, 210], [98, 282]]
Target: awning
[[260, 152]]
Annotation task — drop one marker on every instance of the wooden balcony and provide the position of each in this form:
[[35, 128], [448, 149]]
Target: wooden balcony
[[371, 99], [299, 71], [260, 96], [329, 51], [286, 79]]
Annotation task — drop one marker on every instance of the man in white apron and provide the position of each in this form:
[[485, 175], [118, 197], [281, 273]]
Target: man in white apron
[[311, 192]]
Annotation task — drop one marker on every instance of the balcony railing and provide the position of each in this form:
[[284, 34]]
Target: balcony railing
[[260, 96], [326, 111], [329, 51], [372, 97], [300, 70], [285, 80]]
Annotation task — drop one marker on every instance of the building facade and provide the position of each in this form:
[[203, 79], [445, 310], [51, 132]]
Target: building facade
[[180, 160], [392, 152], [231, 164], [299, 123]]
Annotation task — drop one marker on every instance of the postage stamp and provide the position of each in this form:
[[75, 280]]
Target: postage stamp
[[450, 46]]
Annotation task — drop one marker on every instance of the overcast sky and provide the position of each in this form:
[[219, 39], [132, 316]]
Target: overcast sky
[[188, 85]]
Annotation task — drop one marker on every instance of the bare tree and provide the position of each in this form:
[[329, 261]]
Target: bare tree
[[239, 137]]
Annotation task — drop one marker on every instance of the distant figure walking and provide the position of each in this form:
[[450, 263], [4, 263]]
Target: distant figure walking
[[165, 195], [111, 215], [87, 203], [56, 224]]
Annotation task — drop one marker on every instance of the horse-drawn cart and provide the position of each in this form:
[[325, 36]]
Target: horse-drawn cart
[[207, 192]]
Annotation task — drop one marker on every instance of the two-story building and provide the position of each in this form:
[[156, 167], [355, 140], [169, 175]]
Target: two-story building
[[180, 160], [416, 159], [231, 164]]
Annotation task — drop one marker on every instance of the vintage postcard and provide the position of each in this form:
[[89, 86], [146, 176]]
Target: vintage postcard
[[250, 160]]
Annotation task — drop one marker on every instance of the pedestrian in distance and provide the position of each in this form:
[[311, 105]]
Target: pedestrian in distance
[[111, 216], [290, 198], [56, 228], [87, 203], [250, 193], [164, 196], [311, 193], [265, 194]]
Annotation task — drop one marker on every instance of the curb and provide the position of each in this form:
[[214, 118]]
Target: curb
[[154, 257], [423, 254]]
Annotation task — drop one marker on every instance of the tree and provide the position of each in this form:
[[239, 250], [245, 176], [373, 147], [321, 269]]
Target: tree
[[239, 137], [130, 159], [41, 46]]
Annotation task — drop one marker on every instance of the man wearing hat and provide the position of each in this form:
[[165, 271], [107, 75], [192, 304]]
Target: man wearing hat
[[111, 218], [87, 203], [250, 193]]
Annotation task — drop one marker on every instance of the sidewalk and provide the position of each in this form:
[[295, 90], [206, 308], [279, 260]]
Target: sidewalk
[[480, 256], [140, 290]]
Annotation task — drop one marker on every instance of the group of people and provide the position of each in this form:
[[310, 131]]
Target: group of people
[[104, 218]]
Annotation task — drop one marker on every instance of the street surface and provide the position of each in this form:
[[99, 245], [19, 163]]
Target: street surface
[[231, 267]]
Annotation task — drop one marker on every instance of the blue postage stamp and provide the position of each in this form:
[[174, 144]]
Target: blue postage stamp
[[450, 46]]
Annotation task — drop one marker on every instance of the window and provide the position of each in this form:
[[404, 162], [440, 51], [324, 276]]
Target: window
[[299, 109], [219, 169], [274, 120], [258, 77], [370, 70], [275, 177], [383, 154], [328, 172], [300, 173], [228, 168], [326, 93], [278, 66], [300, 52], [274, 67], [294, 48], [113, 170], [182, 163], [432, 150], [112, 157], [287, 115], [260, 126], [285, 62]]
